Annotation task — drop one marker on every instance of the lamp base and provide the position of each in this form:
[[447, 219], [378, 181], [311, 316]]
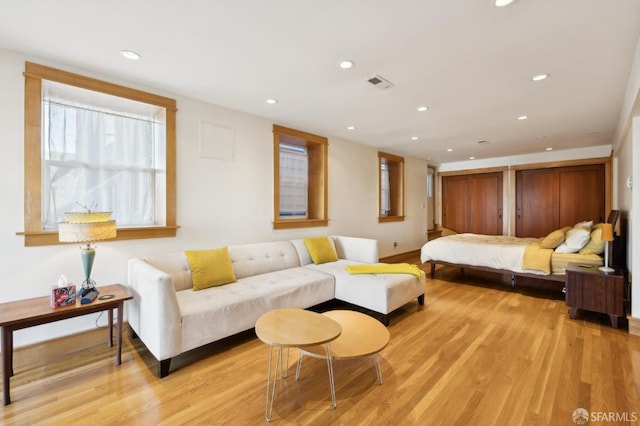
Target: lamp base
[[606, 269]]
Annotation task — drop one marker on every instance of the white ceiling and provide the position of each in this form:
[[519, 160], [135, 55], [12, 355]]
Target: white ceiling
[[469, 62]]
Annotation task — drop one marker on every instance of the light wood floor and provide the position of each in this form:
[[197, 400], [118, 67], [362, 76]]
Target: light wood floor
[[474, 354]]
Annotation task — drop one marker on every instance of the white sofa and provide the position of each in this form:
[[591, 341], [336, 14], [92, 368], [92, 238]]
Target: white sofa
[[171, 318]]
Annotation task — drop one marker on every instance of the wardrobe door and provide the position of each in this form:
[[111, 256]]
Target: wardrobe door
[[581, 194], [536, 202], [485, 200], [473, 203], [548, 199], [455, 206]]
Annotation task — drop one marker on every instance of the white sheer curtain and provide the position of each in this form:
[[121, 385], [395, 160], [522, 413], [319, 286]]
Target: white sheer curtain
[[385, 193], [99, 159], [294, 181]]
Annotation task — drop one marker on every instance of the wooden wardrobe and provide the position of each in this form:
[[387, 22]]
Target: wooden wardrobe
[[473, 203], [548, 199]]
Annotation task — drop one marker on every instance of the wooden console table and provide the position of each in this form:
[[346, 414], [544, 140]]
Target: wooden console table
[[27, 313]]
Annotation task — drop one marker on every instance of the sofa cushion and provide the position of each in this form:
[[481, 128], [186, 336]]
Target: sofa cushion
[[210, 268], [320, 249], [261, 258], [303, 252], [217, 312]]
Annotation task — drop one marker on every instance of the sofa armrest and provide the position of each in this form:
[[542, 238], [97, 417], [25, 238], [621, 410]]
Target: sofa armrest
[[357, 249], [154, 313]]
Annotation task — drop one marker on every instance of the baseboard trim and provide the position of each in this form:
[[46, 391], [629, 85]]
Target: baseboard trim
[[634, 326], [38, 353], [400, 256]]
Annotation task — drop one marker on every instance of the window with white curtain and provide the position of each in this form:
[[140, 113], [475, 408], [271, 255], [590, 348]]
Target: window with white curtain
[[390, 187], [294, 181], [385, 193], [99, 152]]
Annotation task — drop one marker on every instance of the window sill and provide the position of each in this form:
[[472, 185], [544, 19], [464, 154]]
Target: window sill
[[299, 223], [382, 219], [49, 238]]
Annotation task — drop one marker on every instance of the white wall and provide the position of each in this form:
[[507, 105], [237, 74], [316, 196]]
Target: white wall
[[627, 154], [219, 202]]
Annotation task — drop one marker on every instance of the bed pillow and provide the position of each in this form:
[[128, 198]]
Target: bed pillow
[[554, 239], [320, 250], [210, 268], [596, 243], [587, 224], [575, 239]]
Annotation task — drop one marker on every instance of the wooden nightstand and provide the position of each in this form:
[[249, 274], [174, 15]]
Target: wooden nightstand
[[589, 288]]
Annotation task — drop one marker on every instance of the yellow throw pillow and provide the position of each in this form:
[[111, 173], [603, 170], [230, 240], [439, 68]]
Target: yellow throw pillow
[[210, 268], [320, 249], [554, 239], [595, 244]]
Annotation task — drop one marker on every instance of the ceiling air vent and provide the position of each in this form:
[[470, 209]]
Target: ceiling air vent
[[379, 82]]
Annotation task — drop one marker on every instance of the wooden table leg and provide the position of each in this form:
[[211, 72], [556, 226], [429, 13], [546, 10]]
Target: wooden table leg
[[614, 321], [573, 312], [119, 338], [110, 316], [7, 361]]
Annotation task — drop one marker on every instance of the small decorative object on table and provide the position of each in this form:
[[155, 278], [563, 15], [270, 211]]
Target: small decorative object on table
[[64, 294]]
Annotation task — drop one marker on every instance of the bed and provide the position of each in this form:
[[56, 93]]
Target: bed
[[526, 257]]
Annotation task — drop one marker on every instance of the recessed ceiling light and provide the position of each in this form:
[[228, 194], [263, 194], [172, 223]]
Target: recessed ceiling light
[[130, 54], [548, 149], [523, 117], [414, 138], [449, 149], [472, 158], [351, 127], [540, 77], [423, 108], [345, 65], [272, 101], [502, 3]]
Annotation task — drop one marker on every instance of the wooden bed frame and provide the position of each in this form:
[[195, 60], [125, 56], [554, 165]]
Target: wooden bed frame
[[614, 215]]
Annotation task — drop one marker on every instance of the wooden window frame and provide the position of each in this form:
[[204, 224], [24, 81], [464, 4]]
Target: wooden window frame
[[317, 201], [34, 235], [396, 187]]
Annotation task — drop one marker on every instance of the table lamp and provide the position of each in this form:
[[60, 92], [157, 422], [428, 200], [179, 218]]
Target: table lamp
[[87, 227], [607, 235]]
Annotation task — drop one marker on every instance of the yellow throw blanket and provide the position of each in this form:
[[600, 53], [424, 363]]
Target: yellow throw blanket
[[537, 258], [386, 268]]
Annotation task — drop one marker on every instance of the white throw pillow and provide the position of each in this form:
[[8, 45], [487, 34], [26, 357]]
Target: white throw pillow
[[575, 239], [587, 224]]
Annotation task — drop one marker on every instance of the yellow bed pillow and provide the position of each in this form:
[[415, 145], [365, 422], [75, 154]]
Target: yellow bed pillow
[[320, 250], [210, 268], [595, 244], [554, 239]]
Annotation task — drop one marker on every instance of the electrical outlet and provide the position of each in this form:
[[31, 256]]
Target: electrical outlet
[[395, 244]]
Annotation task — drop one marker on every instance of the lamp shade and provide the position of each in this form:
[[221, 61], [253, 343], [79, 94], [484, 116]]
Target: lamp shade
[[87, 227], [607, 232]]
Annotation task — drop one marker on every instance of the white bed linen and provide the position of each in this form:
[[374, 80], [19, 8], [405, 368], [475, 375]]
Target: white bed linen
[[493, 251]]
